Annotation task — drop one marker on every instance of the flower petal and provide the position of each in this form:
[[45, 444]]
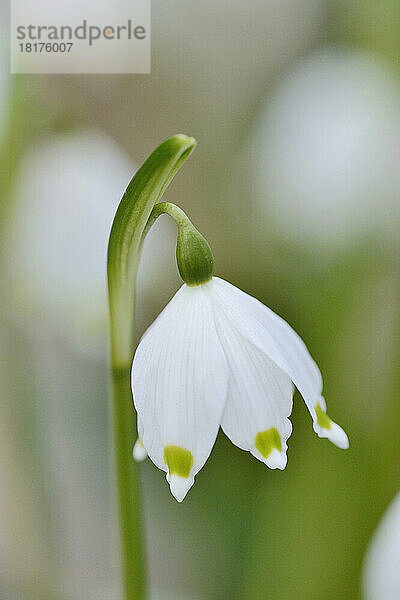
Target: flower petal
[[179, 381], [273, 336], [259, 399]]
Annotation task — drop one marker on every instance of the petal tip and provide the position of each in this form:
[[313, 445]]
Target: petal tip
[[338, 436], [179, 486], [276, 460], [139, 451], [334, 434], [324, 427]]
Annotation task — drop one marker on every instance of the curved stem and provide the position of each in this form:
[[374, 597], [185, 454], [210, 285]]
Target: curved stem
[[194, 258], [130, 517], [166, 208]]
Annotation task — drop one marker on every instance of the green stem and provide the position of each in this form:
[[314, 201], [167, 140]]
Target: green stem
[[167, 208], [130, 517]]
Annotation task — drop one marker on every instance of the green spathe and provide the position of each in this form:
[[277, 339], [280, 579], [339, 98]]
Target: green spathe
[[268, 440], [322, 418], [178, 460]]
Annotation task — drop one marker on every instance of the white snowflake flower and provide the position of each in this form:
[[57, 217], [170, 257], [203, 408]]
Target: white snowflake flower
[[215, 357]]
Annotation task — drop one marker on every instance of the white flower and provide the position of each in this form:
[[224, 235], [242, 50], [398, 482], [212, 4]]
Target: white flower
[[325, 149], [217, 357], [382, 565]]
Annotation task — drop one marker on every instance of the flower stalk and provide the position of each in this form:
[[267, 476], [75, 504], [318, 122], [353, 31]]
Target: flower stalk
[[125, 243], [129, 494]]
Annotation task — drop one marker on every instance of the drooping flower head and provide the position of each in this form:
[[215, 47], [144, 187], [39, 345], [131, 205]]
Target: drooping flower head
[[218, 357]]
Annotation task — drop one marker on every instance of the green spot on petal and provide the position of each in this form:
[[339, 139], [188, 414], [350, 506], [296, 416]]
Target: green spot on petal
[[178, 460], [266, 441], [322, 418]]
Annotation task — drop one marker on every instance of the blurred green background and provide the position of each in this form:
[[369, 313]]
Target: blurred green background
[[295, 183]]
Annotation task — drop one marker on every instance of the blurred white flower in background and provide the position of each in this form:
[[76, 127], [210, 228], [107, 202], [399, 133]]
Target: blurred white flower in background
[[68, 189], [381, 578], [326, 147]]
